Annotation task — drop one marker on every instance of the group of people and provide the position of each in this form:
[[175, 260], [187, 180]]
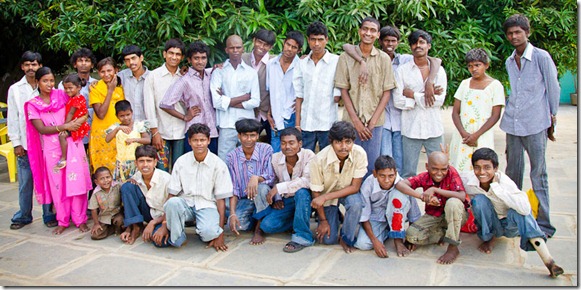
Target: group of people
[[186, 144]]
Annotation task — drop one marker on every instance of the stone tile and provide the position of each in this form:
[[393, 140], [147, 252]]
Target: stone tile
[[563, 204], [566, 225], [506, 251], [466, 276], [114, 270], [6, 195], [194, 251], [203, 278], [6, 240], [6, 214], [15, 282], [564, 252]]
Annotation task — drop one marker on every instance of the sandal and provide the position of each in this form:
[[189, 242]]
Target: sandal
[[292, 247], [16, 226], [51, 224]]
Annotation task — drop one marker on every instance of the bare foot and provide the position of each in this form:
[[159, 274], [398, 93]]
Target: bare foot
[[554, 269], [487, 246], [59, 230], [411, 247], [400, 248], [257, 238], [83, 228], [450, 256], [130, 234], [346, 248]]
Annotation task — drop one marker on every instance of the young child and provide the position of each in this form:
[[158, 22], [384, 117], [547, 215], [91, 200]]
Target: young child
[[501, 209], [128, 135], [105, 205], [477, 106], [76, 108]]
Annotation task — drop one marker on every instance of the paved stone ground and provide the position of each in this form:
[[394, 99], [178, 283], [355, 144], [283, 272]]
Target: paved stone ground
[[33, 256]]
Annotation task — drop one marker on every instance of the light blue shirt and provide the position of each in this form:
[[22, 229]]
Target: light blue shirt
[[281, 89], [133, 91], [393, 114]]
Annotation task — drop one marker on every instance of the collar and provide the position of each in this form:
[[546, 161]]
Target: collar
[[205, 161], [326, 57], [377, 187], [113, 184], [242, 156], [154, 179], [165, 71], [276, 60], [374, 50], [413, 63], [263, 60], [527, 54], [242, 64], [141, 77], [23, 81], [194, 73], [332, 157], [282, 161]]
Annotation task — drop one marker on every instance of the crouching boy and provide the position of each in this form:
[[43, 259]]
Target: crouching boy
[[105, 205]]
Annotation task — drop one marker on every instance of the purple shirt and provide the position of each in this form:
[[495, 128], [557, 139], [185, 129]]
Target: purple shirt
[[192, 91], [242, 169]]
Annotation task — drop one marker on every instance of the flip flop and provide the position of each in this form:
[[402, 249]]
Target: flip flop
[[16, 226], [295, 247]]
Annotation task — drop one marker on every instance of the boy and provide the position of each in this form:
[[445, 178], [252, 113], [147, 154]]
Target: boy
[[501, 209], [200, 183], [446, 206], [105, 205], [386, 210], [133, 79]]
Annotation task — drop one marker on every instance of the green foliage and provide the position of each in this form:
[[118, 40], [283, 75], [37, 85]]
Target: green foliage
[[106, 26]]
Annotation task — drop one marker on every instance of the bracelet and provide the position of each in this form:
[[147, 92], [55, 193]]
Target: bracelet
[[184, 118], [322, 220], [154, 134], [231, 216], [57, 129]]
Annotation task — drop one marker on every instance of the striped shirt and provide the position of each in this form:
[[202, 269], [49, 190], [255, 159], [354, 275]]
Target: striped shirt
[[242, 169]]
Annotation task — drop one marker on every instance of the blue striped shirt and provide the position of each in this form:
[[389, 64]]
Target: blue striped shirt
[[241, 169]]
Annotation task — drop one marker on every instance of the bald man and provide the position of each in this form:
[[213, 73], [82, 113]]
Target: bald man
[[235, 94], [446, 205]]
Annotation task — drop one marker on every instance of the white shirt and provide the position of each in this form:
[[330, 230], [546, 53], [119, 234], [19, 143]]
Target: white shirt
[[157, 194], [133, 91], [18, 94], [281, 89], [200, 183], [417, 120], [156, 84], [234, 83], [315, 84]]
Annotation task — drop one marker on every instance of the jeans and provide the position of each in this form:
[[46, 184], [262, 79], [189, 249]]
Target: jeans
[[177, 212], [172, 150], [227, 141], [535, 146], [311, 138], [391, 144], [372, 147], [244, 210], [25, 195], [514, 224], [411, 152], [380, 230], [136, 209], [275, 134], [353, 205]]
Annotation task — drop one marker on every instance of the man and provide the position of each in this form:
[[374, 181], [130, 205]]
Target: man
[[168, 132], [133, 80], [364, 104], [199, 186], [290, 197], [193, 90], [235, 93], [336, 175], [531, 109], [313, 82], [421, 123], [258, 58], [18, 94], [279, 83]]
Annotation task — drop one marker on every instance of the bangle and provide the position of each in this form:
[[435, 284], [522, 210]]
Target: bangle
[[184, 118], [232, 215], [154, 134], [57, 129], [322, 220]]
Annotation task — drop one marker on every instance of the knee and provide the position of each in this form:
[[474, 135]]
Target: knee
[[454, 204], [209, 232], [171, 204], [355, 203], [303, 194], [128, 189], [479, 202]]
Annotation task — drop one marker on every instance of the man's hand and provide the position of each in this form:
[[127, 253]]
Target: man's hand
[[184, 70], [148, 231], [438, 90], [112, 84], [496, 177], [125, 129], [379, 248], [429, 94], [471, 140], [364, 132], [408, 93], [218, 243], [428, 193], [96, 226], [132, 181], [318, 201], [270, 121], [157, 142], [279, 204], [252, 187], [434, 201], [445, 149], [363, 73], [191, 113], [19, 151], [322, 230], [271, 194], [161, 235], [234, 223]]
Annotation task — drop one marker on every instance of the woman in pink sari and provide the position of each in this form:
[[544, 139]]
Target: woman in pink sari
[[66, 188]]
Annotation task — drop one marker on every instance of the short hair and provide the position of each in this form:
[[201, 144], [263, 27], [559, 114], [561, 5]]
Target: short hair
[[197, 46], [389, 31], [131, 49], [145, 151], [45, 70], [198, 128], [75, 79], [477, 54], [517, 20], [317, 28], [177, 43], [123, 105], [291, 131], [99, 170], [83, 52], [296, 36], [372, 20], [247, 126], [30, 56], [266, 36], [106, 61], [385, 162], [342, 130], [485, 154], [415, 36]]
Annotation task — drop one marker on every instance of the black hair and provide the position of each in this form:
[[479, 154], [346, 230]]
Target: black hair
[[485, 154], [477, 54], [247, 126], [342, 130], [123, 105], [198, 128], [197, 47], [83, 52], [145, 151], [291, 131], [385, 162], [108, 60], [415, 36], [75, 79], [317, 28], [99, 170], [517, 20], [372, 20], [296, 36], [30, 56], [266, 36], [389, 31], [45, 70], [131, 49], [174, 42]]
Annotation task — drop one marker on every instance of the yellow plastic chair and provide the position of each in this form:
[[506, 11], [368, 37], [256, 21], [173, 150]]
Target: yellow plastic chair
[[3, 138], [7, 151]]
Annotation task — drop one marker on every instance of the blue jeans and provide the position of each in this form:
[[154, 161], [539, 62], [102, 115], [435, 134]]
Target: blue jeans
[[25, 195], [514, 224], [372, 147], [353, 205], [275, 134], [227, 141], [213, 147], [136, 209], [391, 145], [411, 152], [173, 149], [244, 210], [535, 146], [177, 212], [311, 138], [380, 231]]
